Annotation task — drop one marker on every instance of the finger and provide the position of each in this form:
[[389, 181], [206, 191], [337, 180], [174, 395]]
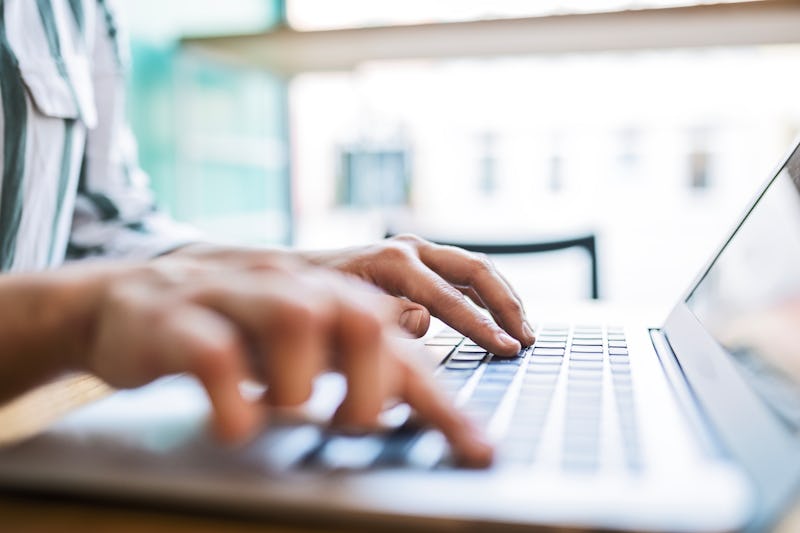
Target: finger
[[462, 268], [419, 283], [362, 354], [203, 343], [288, 322], [468, 444], [412, 317], [511, 289], [470, 293], [295, 352], [526, 324]]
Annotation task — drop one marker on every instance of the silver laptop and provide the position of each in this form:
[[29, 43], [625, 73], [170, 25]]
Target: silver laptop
[[602, 424]]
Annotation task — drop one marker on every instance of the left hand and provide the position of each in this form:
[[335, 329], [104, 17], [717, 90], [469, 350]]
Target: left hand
[[422, 278]]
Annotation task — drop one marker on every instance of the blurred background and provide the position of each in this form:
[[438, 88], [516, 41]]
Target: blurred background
[[646, 125]]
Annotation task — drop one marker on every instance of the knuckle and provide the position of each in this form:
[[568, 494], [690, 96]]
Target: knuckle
[[479, 264], [152, 315], [515, 307], [483, 261], [216, 355], [365, 328], [296, 315], [408, 238], [396, 252]]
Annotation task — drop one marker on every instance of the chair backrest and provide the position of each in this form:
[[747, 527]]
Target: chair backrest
[[587, 242]]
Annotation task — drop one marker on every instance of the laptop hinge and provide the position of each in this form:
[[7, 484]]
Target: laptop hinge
[[687, 401]]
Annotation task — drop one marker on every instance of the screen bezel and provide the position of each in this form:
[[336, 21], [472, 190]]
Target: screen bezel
[[749, 432]]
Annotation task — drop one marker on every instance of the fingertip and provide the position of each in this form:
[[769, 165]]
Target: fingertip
[[508, 346], [472, 449], [415, 321], [237, 428], [527, 331]]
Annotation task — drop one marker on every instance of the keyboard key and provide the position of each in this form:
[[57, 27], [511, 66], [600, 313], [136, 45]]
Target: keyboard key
[[578, 356], [539, 381], [584, 365], [452, 376], [471, 349], [559, 328], [455, 337], [486, 394], [617, 351], [351, 453], [585, 398], [537, 395], [582, 342], [621, 379], [441, 342], [587, 336], [548, 351], [428, 450], [586, 349], [543, 369], [496, 381], [483, 403], [505, 361], [551, 344], [617, 344], [467, 356], [546, 360], [551, 338], [438, 354], [576, 374], [462, 365]]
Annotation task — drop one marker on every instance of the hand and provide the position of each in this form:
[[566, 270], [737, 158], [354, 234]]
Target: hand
[[282, 324], [423, 279], [439, 278]]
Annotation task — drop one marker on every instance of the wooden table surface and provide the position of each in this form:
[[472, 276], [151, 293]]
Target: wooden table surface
[[36, 410]]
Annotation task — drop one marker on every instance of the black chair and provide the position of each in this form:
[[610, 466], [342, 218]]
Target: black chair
[[587, 242]]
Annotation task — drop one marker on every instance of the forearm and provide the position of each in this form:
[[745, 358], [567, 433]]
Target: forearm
[[45, 324]]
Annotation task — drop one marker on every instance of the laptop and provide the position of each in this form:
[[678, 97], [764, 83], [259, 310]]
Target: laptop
[[604, 424]]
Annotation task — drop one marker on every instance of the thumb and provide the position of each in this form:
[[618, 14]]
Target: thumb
[[412, 317]]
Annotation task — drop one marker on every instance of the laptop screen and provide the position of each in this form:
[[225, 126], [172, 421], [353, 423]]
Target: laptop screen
[[749, 299]]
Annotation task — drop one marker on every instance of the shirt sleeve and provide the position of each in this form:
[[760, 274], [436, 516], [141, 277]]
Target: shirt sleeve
[[115, 214]]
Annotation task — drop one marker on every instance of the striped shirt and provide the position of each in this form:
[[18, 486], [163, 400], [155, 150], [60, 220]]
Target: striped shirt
[[71, 187]]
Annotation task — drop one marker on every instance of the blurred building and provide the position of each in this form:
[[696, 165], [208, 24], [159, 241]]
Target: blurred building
[[656, 148]]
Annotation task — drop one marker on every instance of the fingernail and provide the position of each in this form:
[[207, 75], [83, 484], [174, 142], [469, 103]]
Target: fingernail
[[410, 320], [508, 340], [528, 331]]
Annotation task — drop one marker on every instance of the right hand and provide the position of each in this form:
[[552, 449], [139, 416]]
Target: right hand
[[283, 325]]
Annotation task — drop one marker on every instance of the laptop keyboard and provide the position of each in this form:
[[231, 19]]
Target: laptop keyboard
[[566, 402], [548, 404]]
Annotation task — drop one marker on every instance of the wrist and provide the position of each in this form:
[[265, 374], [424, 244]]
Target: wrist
[[77, 294], [46, 321]]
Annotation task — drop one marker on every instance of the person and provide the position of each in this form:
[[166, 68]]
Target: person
[[95, 279]]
